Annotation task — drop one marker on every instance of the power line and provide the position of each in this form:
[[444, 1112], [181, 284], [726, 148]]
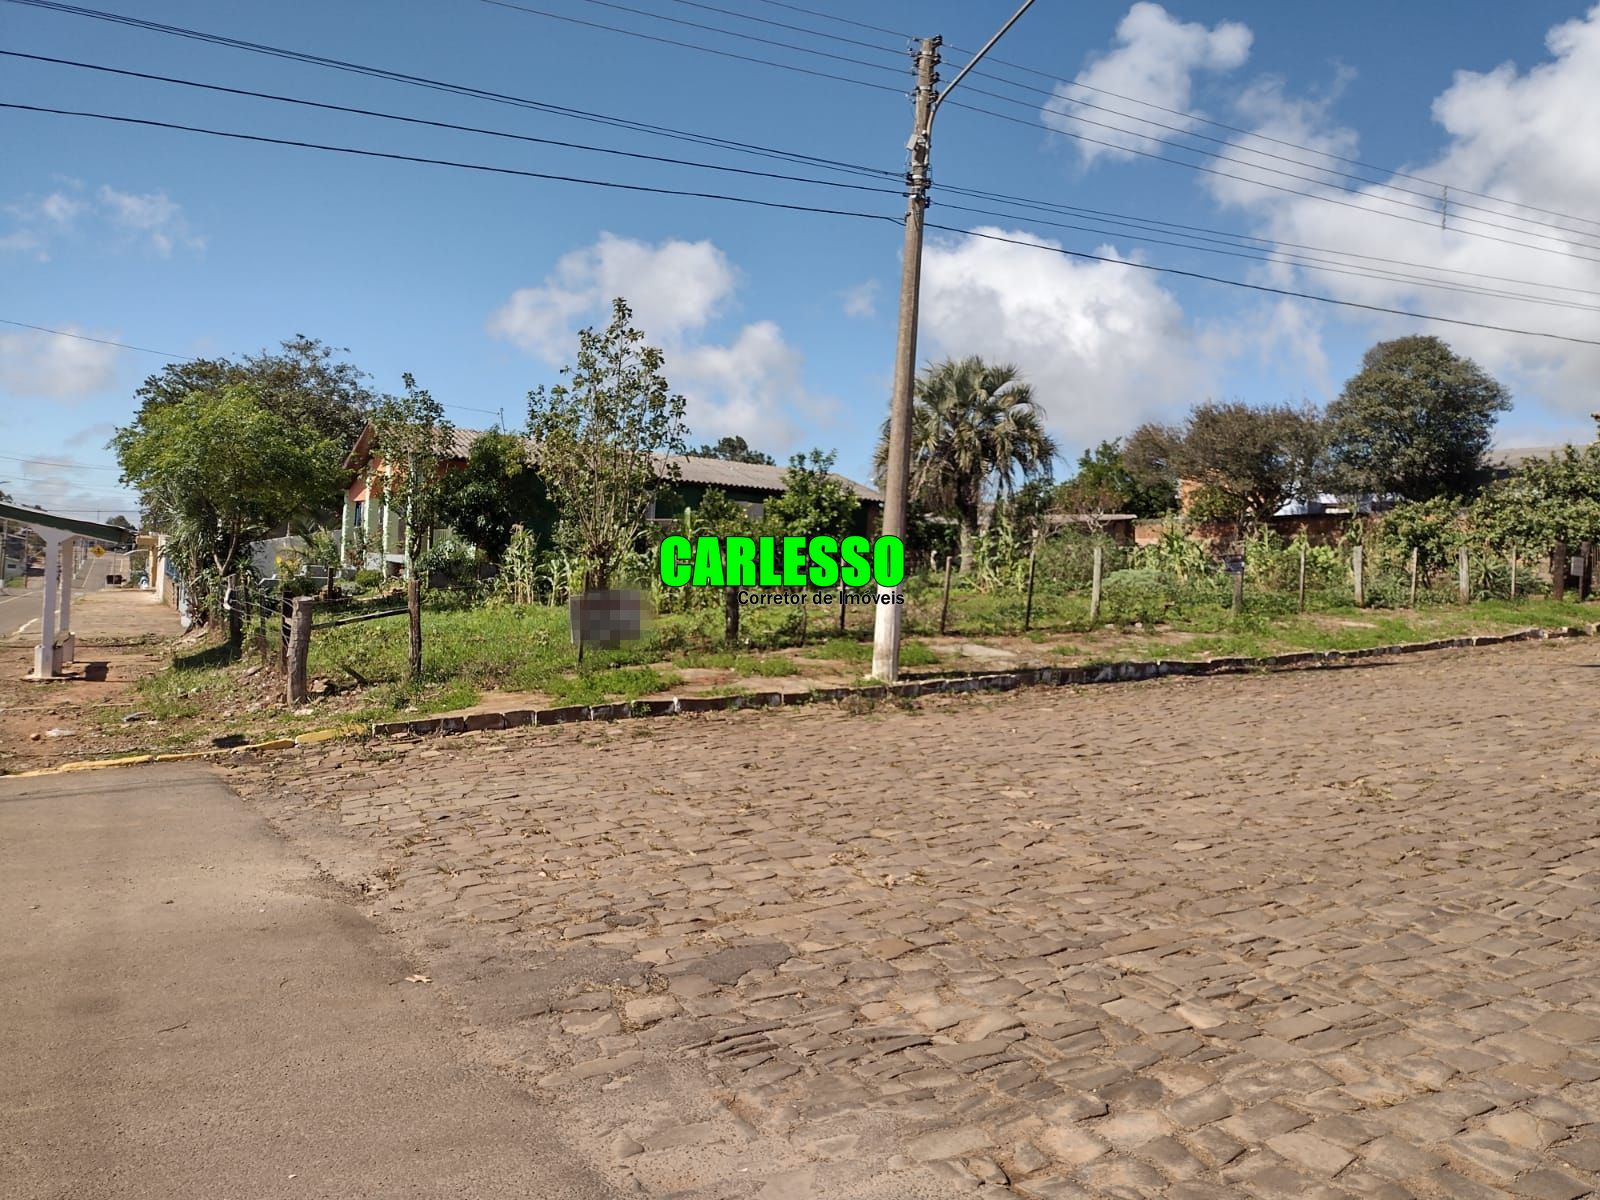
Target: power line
[[387, 116], [1261, 287], [1233, 146], [1139, 222], [39, 462], [1296, 260], [1277, 187], [1056, 80], [465, 90], [387, 155], [834, 37], [665, 41], [83, 337], [445, 162]]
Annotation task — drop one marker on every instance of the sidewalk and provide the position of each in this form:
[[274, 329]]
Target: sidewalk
[[191, 1010]]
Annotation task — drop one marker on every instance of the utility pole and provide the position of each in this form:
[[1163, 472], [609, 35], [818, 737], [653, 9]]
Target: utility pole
[[897, 469]]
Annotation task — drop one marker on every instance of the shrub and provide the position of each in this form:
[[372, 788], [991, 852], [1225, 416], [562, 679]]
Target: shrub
[[367, 578], [1136, 594]]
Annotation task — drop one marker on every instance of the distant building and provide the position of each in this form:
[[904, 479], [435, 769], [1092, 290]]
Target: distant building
[[753, 485]]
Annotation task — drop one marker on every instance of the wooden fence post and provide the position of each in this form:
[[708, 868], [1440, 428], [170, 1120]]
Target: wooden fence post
[[1302, 578], [842, 595], [1413, 577], [1586, 573], [944, 607], [285, 609], [1357, 564], [1094, 586], [1463, 581], [1513, 570], [299, 648], [233, 598], [730, 618], [1558, 572], [1027, 612], [1238, 592]]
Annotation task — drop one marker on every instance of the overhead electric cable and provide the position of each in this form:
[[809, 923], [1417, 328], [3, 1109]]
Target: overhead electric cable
[[521, 137], [83, 337]]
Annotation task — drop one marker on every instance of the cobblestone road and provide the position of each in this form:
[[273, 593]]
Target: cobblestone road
[[1319, 934]]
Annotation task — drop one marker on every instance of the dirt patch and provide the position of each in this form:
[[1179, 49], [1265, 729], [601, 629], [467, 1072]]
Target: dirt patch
[[104, 680]]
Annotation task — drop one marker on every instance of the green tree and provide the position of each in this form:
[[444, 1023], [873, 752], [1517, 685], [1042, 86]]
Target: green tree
[[1432, 527], [603, 438], [219, 470], [302, 382], [120, 521], [1250, 459], [1547, 500], [975, 430], [815, 502], [1414, 421], [734, 449], [497, 490], [1104, 484], [413, 443]]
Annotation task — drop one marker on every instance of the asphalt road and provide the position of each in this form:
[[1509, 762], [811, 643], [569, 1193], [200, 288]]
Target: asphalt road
[[20, 607], [187, 1009]]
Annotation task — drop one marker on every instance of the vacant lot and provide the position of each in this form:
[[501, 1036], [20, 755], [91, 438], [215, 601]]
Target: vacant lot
[[1325, 934]]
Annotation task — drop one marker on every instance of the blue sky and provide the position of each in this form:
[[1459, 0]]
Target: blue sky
[[780, 325]]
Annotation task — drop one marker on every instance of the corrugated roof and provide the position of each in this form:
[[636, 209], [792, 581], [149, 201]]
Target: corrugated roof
[[709, 472], [1513, 457]]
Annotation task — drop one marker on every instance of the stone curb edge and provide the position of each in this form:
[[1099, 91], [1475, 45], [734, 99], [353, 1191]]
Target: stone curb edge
[[973, 681], [951, 684]]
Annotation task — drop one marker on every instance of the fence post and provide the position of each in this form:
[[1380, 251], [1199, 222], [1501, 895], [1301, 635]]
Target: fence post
[[1027, 612], [234, 601], [1413, 577], [1302, 578], [730, 618], [1586, 574], [286, 606], [1558, 572], [1513, 570], [1094, 587], [1238, 592], [1361, 583], [841, 602], [299, 648], [1463, 582], [944, 606]]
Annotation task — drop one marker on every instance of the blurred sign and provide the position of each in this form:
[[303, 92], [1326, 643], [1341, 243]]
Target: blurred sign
[[1234, 563], [607, 618], [97, 551]]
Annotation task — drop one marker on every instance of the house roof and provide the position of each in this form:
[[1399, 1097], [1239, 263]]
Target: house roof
[[1512, 457], [708, 472]]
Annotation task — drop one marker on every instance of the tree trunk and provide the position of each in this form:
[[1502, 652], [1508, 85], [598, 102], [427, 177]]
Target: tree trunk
[[414, 613], [968, 541]]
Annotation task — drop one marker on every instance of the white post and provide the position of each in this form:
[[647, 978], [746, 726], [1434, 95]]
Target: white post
[[69, 574], [44, 655]]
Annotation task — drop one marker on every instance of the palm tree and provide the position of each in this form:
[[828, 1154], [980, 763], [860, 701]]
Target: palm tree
[[973, 425]]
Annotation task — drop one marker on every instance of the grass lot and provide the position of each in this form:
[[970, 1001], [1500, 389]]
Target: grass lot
[[468, 652]]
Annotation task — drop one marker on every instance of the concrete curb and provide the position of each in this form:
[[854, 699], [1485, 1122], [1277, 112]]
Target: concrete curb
[[950, 683], [129, 760]]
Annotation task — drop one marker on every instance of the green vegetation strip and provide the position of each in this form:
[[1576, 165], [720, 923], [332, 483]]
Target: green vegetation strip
[[955, 682]]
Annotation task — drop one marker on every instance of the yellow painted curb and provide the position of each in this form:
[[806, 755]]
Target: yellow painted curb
[[328, 735], [94, 764], [182, 756], [284, 743]]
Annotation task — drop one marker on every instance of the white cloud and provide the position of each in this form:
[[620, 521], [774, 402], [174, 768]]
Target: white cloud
[[1510, 134], [861, 300], [47, 365], [1155, 60], [151, 220], [1105, 347], [752, 385]]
